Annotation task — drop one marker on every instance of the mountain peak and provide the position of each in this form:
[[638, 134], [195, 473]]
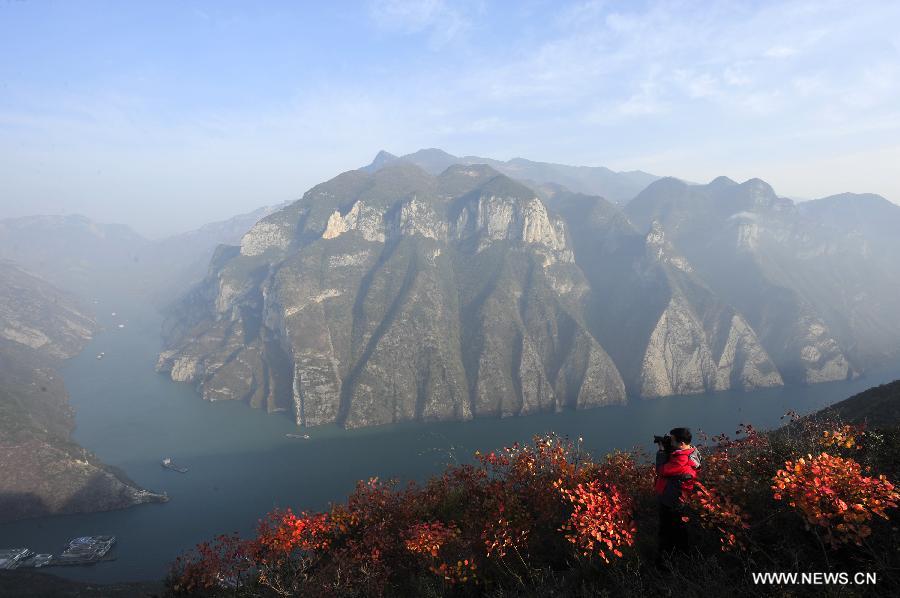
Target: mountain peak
[[722, 181], [759, 187], [381, 159], [667, 184], [754, 194], [433, 160], [617, 187], [434, 152], [869, 199]]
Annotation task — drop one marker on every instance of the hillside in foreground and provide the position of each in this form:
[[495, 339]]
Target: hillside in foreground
[[877, 407], [547, 519]]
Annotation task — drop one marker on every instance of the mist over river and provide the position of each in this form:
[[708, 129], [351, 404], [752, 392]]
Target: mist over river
[[242, 465]]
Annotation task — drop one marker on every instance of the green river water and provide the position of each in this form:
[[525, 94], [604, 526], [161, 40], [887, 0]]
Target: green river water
[[242, 465]]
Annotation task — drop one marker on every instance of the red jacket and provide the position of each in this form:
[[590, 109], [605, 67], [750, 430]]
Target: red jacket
[[675, 474]]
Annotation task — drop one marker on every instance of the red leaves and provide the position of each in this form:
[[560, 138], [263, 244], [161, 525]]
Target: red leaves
[[833, 496], [529, 508], [220, 563], [718, 512], [283, 532], [600, 522], [844, 437], [500, 536], [428, 538]]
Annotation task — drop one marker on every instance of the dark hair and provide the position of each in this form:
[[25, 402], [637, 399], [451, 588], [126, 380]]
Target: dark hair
[[681, 435]]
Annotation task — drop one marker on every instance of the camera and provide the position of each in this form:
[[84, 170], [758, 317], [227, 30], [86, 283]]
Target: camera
[[664, 442]]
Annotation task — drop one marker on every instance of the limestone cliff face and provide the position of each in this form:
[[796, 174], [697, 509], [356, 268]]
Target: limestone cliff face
[[667, 331], [743, 362], [781, 271], [678, 359], [698, 343], [681, 356], [398, 296], [820, 354], [389, 294]]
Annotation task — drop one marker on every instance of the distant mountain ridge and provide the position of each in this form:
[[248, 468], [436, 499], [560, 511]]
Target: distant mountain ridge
[[87, 257], [821, 289], [392, 293], [69, 250], [617, 187]]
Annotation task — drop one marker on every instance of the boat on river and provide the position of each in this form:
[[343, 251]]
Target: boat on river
[[86, 550], [169, 464]]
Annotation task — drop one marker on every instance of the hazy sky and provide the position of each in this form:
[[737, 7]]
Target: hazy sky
[[166, 115]]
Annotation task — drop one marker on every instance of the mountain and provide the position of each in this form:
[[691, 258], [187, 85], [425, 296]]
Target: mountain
[[91, 259], [41, 470], [394, 296], [667, 331], [174, 263], [72, 252], [818, 281], [618, 187], [37, 316]]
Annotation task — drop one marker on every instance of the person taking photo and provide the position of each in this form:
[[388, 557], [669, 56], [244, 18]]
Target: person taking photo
[[677, 463]]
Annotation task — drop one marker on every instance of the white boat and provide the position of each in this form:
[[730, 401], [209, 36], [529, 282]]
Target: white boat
[[303, 436]]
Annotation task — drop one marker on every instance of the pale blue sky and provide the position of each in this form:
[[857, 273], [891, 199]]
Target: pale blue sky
[[166, 115]]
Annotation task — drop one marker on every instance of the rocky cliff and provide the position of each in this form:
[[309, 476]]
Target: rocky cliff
[[666, 329], [395, 296], [429, 287], [822, 292]]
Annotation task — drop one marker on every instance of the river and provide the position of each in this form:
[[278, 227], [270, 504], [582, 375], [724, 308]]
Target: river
[[242, 465]]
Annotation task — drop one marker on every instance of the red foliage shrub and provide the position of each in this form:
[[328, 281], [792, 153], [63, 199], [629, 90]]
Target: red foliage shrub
[[523, 511], [601, 521], [834, 496], [843, 437], [716, 511], [220, 563]]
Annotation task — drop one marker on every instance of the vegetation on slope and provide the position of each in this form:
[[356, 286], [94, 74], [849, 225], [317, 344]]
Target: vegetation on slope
[[547, 519], [877, 407]]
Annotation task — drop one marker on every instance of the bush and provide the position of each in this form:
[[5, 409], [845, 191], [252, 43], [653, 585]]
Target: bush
[[547, 519]]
